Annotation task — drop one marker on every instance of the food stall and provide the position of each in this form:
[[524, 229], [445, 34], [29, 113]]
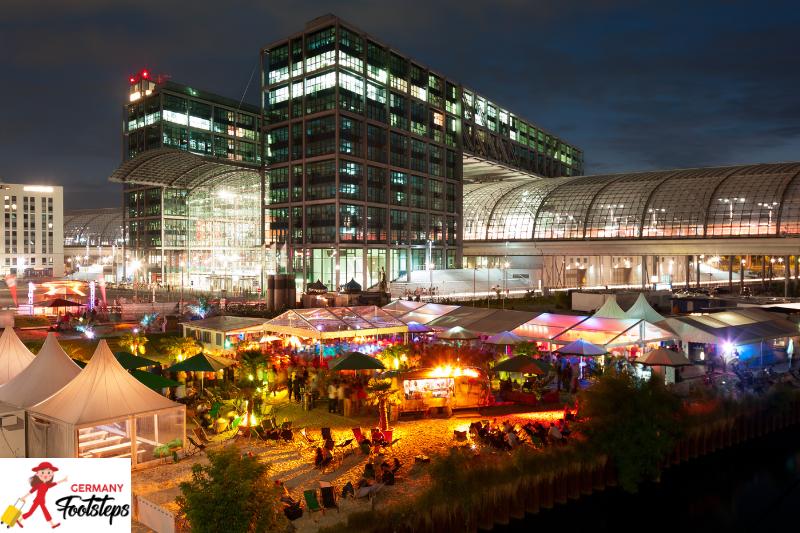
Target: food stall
[[444, 387]]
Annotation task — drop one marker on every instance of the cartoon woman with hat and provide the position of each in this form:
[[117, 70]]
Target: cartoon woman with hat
[[41, 482]]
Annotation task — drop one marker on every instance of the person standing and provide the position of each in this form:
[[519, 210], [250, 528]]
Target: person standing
[[567, 376], [297, 383], [332, 397], [340, 396], [289, 383]]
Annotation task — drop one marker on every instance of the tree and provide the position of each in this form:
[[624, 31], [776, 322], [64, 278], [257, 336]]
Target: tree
[[635, 423], [526, 348], [233, 493], [180, 348], [134, 342], [381, 393]]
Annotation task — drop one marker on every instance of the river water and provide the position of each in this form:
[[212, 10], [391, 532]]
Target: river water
[[752, 487]]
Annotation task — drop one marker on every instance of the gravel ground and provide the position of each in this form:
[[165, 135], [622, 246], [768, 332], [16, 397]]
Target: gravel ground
[[293, 463]]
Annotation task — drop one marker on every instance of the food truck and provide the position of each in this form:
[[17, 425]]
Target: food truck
[[444, 387]]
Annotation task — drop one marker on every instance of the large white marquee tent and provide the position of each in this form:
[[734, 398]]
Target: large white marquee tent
[[105, 412], [14, 356]]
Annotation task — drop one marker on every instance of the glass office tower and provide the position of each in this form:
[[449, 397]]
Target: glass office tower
[[367, 151], [165, 225]]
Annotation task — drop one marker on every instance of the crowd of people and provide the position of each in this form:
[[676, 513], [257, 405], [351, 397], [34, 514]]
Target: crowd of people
[[508, 436]]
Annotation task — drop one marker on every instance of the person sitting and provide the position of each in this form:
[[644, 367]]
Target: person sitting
[[507, 426], [318, 457], [512, 440], [396, 465], [554, 434], [369, 471], [387, 476]]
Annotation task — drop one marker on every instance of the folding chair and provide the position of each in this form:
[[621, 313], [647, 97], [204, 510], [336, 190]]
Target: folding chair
[[201, 435], [328, 495], [312, 504], [194, 447], [255, 434], [306, 442], [358, 435]]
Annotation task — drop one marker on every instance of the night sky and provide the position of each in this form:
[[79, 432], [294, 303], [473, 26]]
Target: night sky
[[668, 85]]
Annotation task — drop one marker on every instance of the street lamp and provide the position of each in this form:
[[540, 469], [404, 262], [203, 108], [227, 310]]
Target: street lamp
[[505, 282]]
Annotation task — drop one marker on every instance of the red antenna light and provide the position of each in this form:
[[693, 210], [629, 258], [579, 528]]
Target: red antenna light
[[145, 74], [132, 79]]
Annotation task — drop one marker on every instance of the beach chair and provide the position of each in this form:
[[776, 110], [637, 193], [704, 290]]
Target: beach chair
[[254, 434], [328, 495], [383, 438], [234, 429], [201, 435], [312, 504], [358, 435], [194, 447]]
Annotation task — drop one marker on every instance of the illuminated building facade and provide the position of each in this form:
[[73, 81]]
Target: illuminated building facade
[[174, 233], [33, 230], [367, 152], [666, 227]]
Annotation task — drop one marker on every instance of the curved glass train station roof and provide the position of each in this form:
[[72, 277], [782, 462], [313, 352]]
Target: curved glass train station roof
[[168, 167], [740, 201], [93, 227]]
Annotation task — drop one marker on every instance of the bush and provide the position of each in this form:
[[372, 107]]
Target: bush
[[233, 494], [635, 423]]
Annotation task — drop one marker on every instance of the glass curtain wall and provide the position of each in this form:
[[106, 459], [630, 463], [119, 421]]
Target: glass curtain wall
[[223, 248]]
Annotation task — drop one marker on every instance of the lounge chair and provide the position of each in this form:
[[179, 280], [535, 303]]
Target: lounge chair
[[307, 439], [201, 435], [255, 434], [383, 438], [312, 504], [328, 495], [194, 447], [358, 435]]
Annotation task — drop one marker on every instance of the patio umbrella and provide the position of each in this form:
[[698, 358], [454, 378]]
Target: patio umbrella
[[356, 361], [60, 302], [505, 338], [130, 361], [582, 348], [523, 364], [416, 327], [663, 357], [458, 334], [202, 362], [154, 381]]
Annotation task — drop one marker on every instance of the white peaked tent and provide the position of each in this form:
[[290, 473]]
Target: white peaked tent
[[14, 356], [105, 412], [610, 309], [50, 370], [642, 310]]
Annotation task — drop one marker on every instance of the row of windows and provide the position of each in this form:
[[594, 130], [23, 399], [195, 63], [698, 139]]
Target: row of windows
[[385, 70], [317, 137], [376, 185], [359, 224]]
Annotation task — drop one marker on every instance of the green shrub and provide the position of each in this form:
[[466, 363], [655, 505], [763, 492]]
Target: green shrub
[[635, 423], [233, 493]]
